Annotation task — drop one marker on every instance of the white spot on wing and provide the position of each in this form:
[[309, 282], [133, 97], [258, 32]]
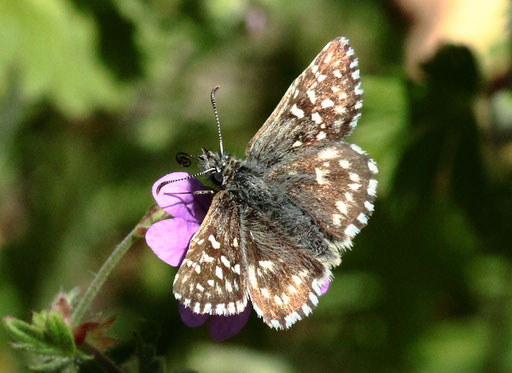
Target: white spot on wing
[[231, 308], [236, 268], [372, 187], [321, 78], [368, 205], [252, 276], [354, 177], [320, 176], [311, 95], [342, 207], [197, 308], [354, 186], [220, 309], [229, 288], [313, 298], [264, 292], [363, 219], [306, 309], [296, 111], [206, 258], [327, 103], [351, 231], [215, 243], [358, 91], [373, 167], [297, 143], [316, 118], [321, 135], [328, 153], [224, 261], [337, 73], [218, 272], [357, 149], [344, 164], [266, 264]]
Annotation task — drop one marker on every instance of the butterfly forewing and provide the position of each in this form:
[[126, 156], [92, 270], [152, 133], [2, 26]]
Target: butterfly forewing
[[209, 280], [283, 281], [336, 184], [323, 104]]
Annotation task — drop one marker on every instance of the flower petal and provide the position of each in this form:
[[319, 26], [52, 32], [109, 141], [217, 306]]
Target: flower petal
[[224, 327], [325, 287], [177, 198], [169, 239], [190, 318]]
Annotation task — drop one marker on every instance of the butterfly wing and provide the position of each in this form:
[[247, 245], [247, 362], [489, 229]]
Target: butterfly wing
[[322, 105], [283, 280], [209, 281], [336, 183]]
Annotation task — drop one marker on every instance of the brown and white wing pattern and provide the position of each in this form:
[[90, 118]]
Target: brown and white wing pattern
[[209, 280], [336, 184], [322, 105], [283, 281]]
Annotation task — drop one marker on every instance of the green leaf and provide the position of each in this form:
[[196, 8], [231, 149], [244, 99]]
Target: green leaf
[[22, 332], [59, 334]]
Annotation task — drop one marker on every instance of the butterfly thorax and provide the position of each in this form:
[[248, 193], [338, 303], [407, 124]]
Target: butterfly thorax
[[225, 167]]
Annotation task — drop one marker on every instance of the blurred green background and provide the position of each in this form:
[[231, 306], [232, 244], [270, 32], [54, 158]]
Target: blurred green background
[[97, 97]]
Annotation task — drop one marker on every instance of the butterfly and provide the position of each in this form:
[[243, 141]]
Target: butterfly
[[281, 218]]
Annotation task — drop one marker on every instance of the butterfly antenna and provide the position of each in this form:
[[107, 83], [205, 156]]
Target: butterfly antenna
[[214, 105], [159, 187]]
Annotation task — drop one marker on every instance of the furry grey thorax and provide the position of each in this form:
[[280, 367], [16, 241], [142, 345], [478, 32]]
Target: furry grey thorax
[[259, 198]]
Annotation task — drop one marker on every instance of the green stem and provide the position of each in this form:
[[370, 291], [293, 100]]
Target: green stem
[[102, 275], [152, 215]]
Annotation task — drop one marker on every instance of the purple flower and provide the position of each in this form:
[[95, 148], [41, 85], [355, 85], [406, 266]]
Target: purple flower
[[169, 240]]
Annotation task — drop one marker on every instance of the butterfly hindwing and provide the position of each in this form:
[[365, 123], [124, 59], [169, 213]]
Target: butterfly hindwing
[[323, 104], [283, 280], [209, 279], [336, 183]]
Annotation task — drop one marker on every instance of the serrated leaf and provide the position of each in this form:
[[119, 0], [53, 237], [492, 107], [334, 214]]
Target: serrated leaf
[[22, 332], [58, 332]]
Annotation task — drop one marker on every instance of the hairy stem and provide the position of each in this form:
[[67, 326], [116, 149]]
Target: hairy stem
[[152, 215]]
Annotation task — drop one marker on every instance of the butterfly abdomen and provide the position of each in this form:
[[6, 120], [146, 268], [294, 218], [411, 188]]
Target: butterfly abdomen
[[262, 199]]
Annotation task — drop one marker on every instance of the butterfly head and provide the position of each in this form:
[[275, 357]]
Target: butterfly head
[[223, 166]]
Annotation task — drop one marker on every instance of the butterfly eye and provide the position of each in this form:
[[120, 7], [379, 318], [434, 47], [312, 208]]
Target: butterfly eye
[[217, 178]]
